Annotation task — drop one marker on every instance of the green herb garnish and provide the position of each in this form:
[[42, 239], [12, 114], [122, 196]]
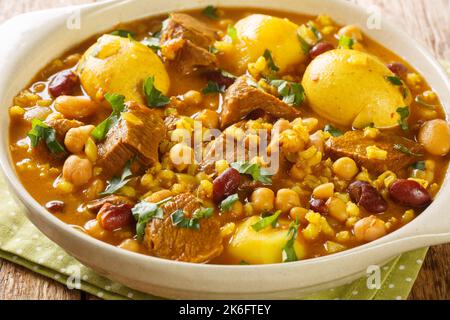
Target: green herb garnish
[[420, 165], [254, 170], [404, 114], [213, 87], [335, 132], [267, 221], [213, 50], [118, 182], [154, 97], [304, 45], [124, 33], [41, 131], [232, 33], [288, 253], [226, 204], [396, 81], [210, 12], [346, 42], [117, 103], [405, 150], [153, 43], [145, 211], [179, 220], [268, 56], [292, 93], [316, 32]]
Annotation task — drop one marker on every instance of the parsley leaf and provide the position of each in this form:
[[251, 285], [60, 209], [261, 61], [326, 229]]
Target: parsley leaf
[[210, 12], [254, 170], [145, 211], [41, 131], [117, 103], [420, 165], [404, 114], [226, 204], [213, 87], [396, 81], [288, 254], [232, 33], [179, 220], [346, 42], [116, 183], [292, 93], [332, 130], [213, 50], [304, 45], [124, 33], [405, 150], [154, 97], [153, 43], [267, 221], [268, 56], [316, 32]]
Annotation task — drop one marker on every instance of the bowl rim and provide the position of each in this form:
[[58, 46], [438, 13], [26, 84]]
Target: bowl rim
[[52, 221]]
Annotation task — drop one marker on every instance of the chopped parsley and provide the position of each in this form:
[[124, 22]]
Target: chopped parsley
[[213, 50], [396, 81], [268, 56], [118, 182], [154, 97], [292, 93], [226, 204], [117, 103], [254, 170], [314, 30], [153, 43], [210, 12], [145, 211], [181, 221], [335, 132], [420, 165], [401, 148], [404, 114], [267, 221], [232, 33], [124, 33], [41, 131], [346, 42], [213, 87], [303, 44], [288, 253]]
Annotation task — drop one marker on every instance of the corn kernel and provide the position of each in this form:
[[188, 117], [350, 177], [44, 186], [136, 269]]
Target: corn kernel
[[375, 153], [177, 188], [16, 111], [166, 175], [227, 230], [343, 236], [414, 80], [205, 189], [333, 247], [65, 186], [324, 20], [328, 30], [44, 103], [311, 232], [351, 222], [371, 133], [221, 166], [408, 216], [91, 150], [148, 181], [352, 209], [248, 209], [127, 191]]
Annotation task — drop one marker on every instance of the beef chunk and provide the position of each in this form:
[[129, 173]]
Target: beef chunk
[[165, 240], [353, 144], [186, 42], [62, 125], [97, 204], [138, 136], [242, 99]]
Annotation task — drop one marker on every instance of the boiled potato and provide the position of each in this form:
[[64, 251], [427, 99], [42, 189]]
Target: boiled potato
[[261, 247], [351, 88], [259, 32], [120, 65]]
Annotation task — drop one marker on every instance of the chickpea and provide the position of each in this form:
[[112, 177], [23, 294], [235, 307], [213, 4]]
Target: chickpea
[[324, 191], [75, 107], [369, 229], [193, 97], [130, 245], [76, 138], [351, 31], [434, 135], [263, 199], [159, 196], [345, 168], [298, 213], [337, 209], [77, 170], [209, 119], [95, 230], [181, 156], [286, 200]]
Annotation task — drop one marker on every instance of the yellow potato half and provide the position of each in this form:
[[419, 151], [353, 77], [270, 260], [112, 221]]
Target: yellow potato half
[[351, 88], [259, 32], [263, 247], [120, 65]]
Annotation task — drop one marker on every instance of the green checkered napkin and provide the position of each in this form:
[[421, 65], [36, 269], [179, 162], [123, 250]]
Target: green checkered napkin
[[22, 243]]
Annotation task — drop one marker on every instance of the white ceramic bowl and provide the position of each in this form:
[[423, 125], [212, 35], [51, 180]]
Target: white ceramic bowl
[[32, 40]]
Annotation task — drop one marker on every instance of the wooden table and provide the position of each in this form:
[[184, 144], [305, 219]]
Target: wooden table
[[425, 20]]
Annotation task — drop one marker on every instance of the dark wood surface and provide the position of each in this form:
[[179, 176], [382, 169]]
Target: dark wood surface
[[428, 21]]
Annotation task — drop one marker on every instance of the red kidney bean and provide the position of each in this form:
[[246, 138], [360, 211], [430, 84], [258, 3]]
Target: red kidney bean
[[55, 206], [226, 184], [113, 217], [409, 193], [398, 68], [219, 78], [365, 195], [320, 48], [318, 205], [63, 83]]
